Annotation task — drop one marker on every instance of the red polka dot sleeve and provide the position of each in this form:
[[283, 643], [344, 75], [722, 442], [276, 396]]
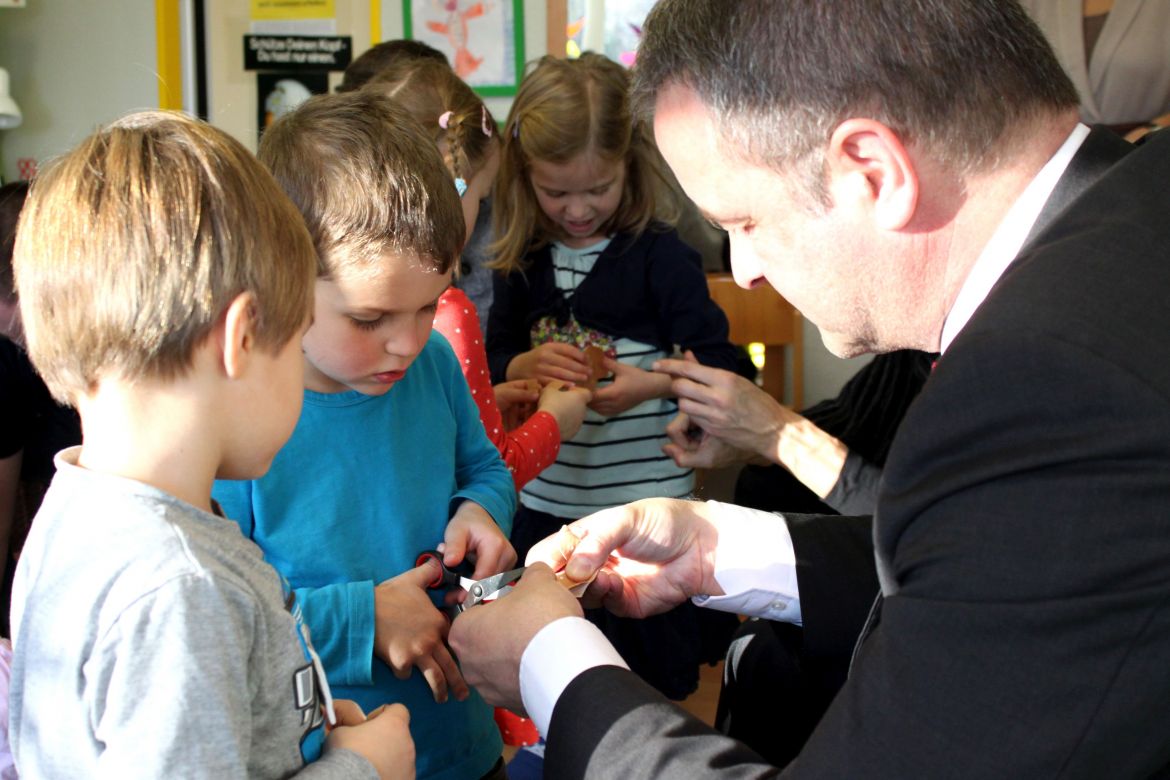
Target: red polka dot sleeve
[[535, 444]]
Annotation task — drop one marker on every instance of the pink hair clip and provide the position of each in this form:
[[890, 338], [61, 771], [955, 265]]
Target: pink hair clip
[[445, 119], [516, 129], [483, 121]]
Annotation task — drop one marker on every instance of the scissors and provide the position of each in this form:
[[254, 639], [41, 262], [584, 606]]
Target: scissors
[[478, 591]]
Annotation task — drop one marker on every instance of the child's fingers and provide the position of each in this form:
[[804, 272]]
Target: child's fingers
[[493, 554], [510, 395], [392, 711], [433, 674], [567, 350], [565, 371], [422, 575], [455, 683], [454, 545], [348, 712], [443, 676]]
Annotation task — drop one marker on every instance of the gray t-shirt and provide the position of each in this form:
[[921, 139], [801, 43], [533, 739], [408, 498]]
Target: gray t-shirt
[[152, 640]]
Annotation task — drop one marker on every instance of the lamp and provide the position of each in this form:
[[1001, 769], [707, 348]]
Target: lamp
[[10, 115], [9, 112]]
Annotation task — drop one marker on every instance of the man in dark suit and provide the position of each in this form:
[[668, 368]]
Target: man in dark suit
[[909, 174]]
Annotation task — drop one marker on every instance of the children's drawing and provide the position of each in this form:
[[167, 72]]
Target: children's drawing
[[478, 37], [454, 27]]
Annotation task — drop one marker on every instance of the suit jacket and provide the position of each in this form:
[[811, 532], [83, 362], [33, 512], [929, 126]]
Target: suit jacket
[[1022, 540]]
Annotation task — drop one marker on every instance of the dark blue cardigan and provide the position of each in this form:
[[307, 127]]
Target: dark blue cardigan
[[651, 289]]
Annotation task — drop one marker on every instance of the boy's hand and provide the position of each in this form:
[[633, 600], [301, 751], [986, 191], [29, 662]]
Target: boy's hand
[[383, 739], [631, 386], [567, 405], [553, 360], [473, 534], [409, 631]]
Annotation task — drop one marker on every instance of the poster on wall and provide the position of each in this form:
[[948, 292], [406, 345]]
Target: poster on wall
[[611, 27], [297, 52], [270, 10], [280, 93], [483, 39]]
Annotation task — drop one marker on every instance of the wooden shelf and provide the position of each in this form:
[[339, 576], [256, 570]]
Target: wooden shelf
[[762, 315]]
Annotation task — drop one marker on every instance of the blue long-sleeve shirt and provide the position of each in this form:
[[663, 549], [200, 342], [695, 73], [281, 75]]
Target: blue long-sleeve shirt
[[364, 484]]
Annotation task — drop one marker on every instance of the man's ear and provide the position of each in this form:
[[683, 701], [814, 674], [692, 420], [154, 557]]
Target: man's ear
[[869, 165], [239, 334]]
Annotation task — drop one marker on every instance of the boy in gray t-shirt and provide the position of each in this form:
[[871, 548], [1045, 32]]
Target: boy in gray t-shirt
[[165, 282]]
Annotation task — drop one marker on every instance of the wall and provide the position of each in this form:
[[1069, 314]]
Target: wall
[[824, 373], [73, 66], [535, 43], [232, 91]]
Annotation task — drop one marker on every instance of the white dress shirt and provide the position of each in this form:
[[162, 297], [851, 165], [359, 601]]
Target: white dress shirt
[[755, 563]]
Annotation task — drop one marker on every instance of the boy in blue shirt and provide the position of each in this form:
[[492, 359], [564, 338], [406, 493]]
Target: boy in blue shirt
[[389, 457], [165, 284]]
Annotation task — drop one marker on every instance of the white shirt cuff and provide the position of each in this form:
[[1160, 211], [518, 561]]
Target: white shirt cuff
[[754, 564], [556, 655]]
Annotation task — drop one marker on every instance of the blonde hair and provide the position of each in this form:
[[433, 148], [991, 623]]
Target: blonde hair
[[431, 92], [367, 180], [132, 245], [565, 108]]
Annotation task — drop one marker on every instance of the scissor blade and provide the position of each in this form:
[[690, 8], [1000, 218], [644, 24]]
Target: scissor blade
[[492, 587]]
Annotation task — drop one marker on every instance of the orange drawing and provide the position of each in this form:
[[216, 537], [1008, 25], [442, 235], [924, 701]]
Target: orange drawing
[[455, 29]]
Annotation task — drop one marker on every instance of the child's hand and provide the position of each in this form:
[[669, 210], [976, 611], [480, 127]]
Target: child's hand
[[409, 631], [473, 534], [550, 361], [383, 739], [567, 405], [516, 401], [631, 386]]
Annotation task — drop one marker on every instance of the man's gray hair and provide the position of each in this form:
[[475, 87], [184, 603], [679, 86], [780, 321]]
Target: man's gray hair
[[956, 77]]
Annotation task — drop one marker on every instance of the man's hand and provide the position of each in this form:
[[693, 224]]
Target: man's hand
[[383, 739], [409, 631], [491, 638], [472, 533], [649, 556], [732, 414], [549, 361], [631, 386], [727, 406], [692, 447]]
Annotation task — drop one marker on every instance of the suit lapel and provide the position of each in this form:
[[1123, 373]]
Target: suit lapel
[[1099, 152]]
